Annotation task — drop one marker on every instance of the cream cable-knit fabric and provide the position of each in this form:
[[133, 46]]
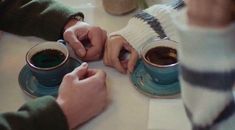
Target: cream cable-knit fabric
[[138, 31], [164, 15], [207, 76]]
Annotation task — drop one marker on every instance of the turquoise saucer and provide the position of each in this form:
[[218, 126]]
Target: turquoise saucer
[[32, 87], [145, 84]]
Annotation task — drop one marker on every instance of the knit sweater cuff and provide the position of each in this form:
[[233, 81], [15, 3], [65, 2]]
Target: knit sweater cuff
[[137, 32], [46, 114], [163, 14], [154, 22], [206, 49]]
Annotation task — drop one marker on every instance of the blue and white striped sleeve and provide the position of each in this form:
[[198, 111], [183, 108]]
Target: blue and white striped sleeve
[[152, 23], [207, 76]]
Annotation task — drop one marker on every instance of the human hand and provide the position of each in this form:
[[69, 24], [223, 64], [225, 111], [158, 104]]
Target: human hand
[[82, 94], [210, 13], [113, 48], [87, 41]]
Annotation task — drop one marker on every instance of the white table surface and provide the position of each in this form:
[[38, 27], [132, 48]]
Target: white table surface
[[128, 109]]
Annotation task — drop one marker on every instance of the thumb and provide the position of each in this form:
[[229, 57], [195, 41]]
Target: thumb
[[132, 60], [81, 71], [75, 44], [133, 57]]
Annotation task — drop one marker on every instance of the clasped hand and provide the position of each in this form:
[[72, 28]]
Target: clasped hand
[[78, 33]]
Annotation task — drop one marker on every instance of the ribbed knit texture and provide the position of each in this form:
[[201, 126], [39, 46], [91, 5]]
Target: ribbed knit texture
[[207, 75], [164, 14], [138, 31]]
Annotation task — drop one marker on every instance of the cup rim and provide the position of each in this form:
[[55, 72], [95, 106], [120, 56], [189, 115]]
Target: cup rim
[[49, 68], [155, 41]]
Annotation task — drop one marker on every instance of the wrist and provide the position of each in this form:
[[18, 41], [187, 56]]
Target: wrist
[[73, 20], [65, 110], [117, 37]]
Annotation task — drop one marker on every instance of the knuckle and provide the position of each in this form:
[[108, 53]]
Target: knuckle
[[114, 61], [69, 76], [97, 29], [67, 33], [105, 61]]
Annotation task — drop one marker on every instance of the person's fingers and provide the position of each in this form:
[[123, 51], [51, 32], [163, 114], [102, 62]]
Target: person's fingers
[[94, 77], [105, 57], [117, 64], [114, 57], [81, 71], [97, 38], [110, 48], [132, 60], [96, 81], [124, 64], [71, 37], [96, 72]]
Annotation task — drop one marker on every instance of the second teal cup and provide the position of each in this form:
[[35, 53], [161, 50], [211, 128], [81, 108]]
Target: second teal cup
[[160, 61]]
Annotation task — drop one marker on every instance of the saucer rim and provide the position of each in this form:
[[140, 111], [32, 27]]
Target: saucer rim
[[26, 91], [138, 88]]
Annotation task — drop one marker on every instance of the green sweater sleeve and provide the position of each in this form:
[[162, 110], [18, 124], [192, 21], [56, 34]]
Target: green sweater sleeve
[[41, 18], [40, 114]]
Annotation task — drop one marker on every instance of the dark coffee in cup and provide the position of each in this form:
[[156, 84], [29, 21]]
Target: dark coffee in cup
[[160, 61], [47, 58], [162, 55], [48, 63]]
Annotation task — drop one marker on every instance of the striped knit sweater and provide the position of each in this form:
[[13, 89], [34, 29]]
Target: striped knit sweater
[[207, 65]]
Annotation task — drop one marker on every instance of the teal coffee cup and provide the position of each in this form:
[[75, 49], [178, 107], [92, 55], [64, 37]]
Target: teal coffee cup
[[160, 61], [48, 62]]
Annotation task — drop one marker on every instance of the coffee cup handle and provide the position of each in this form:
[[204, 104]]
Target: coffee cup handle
[[71, 52]]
